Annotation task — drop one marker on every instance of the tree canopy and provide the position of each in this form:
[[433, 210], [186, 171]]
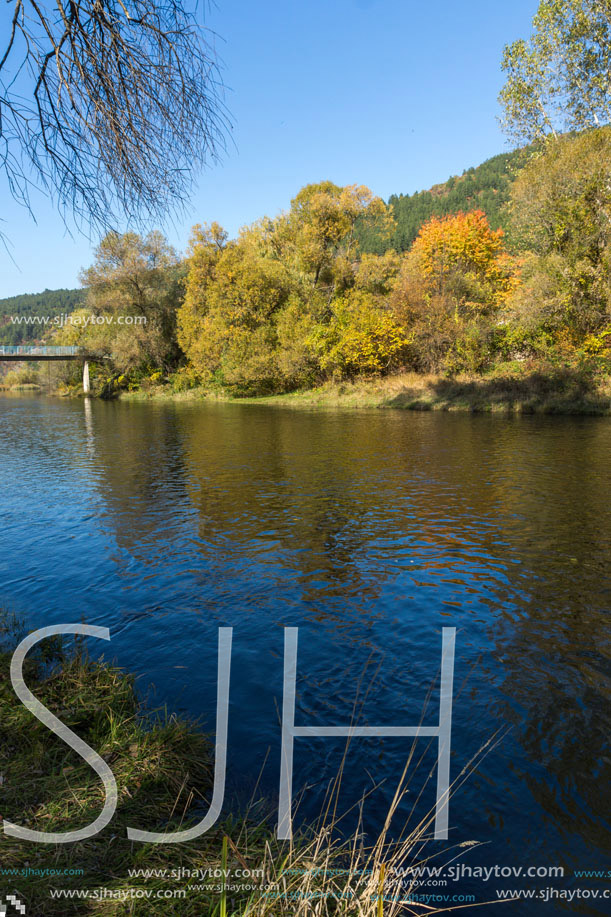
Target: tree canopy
[[295, 301], [560, 79], [561, 214], [133, 292]]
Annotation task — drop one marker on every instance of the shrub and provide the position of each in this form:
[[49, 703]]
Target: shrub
[[184, 379], [363, 338]]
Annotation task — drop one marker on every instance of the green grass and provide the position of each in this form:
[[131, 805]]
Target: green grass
[[162, 766]]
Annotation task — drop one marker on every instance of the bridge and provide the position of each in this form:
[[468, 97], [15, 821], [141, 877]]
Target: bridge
[[19, 353], [22, 352]]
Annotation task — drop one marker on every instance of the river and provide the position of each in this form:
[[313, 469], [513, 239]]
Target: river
[[369, 530]]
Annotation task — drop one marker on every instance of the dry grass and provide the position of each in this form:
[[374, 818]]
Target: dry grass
[[558, 391]]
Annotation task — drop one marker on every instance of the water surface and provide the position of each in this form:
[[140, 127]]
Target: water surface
[[370, 530]]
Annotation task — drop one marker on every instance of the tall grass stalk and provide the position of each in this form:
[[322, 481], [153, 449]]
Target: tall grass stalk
[[224, 872]]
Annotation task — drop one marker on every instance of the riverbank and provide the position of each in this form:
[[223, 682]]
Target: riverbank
[[562, 391], [163, 767]]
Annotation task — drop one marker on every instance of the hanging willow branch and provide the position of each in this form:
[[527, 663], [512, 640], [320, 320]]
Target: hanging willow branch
[[109, 105]]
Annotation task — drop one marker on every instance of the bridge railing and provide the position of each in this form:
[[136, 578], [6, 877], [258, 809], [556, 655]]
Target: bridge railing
[[37, 350]]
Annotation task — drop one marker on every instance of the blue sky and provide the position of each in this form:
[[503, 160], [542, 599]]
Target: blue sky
[[393, 94]]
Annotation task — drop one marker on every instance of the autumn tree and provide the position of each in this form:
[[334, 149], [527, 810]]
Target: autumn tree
[[452, 284], [560, 79], [134, 288], [561, 214], [261, 312], [461, 259], [322, 229], [364, 338], [205, 246], [377, 273], [233, 294]]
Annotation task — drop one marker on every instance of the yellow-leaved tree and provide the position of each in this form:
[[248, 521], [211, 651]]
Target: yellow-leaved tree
[[262, 312]]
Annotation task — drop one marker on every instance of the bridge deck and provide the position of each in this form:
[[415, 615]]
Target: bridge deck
[[35, 352]]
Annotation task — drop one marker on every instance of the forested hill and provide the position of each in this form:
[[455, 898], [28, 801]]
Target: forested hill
[[485, 187], [49, 303]]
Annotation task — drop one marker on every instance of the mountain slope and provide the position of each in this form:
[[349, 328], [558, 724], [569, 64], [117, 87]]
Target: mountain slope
[[485, 187], [48, 303]]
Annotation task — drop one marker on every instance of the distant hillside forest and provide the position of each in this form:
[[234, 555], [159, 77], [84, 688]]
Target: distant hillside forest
[[48, 304], [486, 187]]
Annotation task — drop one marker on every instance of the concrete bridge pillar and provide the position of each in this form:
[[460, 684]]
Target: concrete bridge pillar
[[86, 385]]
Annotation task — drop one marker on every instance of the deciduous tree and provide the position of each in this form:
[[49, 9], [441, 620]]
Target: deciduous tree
[[561, 213], [450, 290], [135, 287], [561, 78]]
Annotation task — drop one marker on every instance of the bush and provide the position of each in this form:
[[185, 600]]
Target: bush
[[364, 338], [20, 377], [185, 379], [471, 352]]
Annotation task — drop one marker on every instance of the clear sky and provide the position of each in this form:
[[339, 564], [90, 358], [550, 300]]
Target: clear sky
[[393, 94]]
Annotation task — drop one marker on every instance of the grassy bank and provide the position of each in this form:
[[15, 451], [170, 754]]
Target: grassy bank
[[162, 767], [163, 770], [26, 387], [560, 391]]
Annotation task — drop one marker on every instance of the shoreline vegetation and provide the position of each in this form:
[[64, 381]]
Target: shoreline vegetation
[[315, 307], [562, 392], [163, 767]]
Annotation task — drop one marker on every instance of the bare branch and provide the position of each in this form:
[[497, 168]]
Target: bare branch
[[111, 106]]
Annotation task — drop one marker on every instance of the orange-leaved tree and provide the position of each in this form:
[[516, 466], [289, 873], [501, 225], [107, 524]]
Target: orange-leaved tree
[[462, 256], [453, 284]]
